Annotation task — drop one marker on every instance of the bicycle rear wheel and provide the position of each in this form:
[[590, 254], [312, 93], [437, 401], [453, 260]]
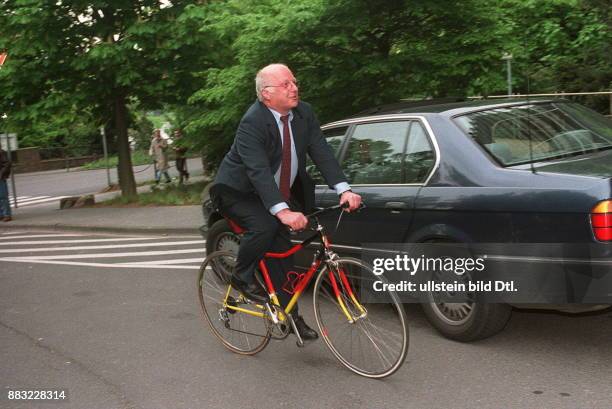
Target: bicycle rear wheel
[[375, 343], [239, 331]]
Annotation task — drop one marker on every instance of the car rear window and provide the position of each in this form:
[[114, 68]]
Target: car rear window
[[538, 132]]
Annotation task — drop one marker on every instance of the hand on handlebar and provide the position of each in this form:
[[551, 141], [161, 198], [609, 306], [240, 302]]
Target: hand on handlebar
[[294, 220], [350, 199]]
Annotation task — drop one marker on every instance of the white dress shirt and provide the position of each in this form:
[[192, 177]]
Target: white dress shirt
[[339, 188]]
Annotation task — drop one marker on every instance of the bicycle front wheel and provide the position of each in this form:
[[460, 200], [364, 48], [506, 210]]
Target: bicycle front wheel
[[239, 325], [368, 336]]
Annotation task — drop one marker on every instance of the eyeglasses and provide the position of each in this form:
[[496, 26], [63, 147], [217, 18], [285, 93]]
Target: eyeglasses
[[285, 85]]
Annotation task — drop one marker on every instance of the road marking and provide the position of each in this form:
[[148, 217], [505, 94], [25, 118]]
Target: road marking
[[66, 259], [78, 241], [122, 246], [23, 201], [122, 265], [106, 255], [40, 201], [173, 261], [37, 236], [28, 198]]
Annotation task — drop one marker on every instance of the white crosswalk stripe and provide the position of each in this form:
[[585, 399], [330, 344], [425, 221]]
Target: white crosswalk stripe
[[75, 241], [151, 252], [110, 246], [23, 201], [17, 235]]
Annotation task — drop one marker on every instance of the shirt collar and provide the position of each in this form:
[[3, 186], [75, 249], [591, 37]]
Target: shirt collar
[[277, 115]]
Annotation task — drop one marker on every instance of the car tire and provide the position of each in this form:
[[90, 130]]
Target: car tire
[[465, 323], [221, 237]]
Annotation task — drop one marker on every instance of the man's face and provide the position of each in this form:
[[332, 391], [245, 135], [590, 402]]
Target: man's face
[[281, 90]]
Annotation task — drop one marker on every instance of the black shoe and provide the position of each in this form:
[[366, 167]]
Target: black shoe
[[307, 333], [251, 291]]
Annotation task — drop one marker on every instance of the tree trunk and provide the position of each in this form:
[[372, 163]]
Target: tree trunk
[[124, 167]]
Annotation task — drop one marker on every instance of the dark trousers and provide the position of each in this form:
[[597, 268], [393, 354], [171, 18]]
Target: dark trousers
[[181, 167], [264, 233], [5, 206]]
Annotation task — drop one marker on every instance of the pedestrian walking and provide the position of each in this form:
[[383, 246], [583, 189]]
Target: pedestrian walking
[[181, 159], [5, 172], [159, 152]]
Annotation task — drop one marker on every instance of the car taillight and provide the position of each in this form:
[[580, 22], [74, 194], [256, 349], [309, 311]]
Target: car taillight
[[601, 220]]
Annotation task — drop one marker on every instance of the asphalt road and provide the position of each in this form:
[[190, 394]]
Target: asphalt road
[[74, 316], [79, 182]]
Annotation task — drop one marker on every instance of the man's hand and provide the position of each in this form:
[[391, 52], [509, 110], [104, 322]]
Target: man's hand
[[295, 220], [353, 200]]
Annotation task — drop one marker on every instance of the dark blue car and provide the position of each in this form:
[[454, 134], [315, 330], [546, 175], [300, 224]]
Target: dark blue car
[[501, 171]]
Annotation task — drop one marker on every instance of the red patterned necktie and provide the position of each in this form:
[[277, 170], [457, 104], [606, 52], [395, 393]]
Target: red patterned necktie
[[285, 174]]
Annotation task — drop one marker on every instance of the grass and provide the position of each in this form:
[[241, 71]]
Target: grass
[[138, 158], [163, 195]]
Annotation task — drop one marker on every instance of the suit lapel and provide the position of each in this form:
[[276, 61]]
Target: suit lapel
[[271, 125], [298, 126]]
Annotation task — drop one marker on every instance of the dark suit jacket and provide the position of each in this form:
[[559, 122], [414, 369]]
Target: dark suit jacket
[[256, 155]]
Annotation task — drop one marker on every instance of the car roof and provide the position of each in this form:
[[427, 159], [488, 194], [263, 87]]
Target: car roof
[[446, 106]]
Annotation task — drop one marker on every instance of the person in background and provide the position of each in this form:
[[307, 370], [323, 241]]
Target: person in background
[[181, 161], [159, 152], [5, 172]]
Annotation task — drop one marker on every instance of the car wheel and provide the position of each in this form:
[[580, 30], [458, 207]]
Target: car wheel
[[221, 237], [469, 321], [466, 321]]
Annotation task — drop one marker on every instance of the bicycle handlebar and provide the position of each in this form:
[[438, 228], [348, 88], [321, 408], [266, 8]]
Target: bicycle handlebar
[[332, 208]]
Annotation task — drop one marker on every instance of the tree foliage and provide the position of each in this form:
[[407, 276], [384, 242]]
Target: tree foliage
[[81, 64]]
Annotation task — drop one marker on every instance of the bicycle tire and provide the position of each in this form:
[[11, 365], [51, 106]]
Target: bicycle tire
[[238, 331], [382, 333]]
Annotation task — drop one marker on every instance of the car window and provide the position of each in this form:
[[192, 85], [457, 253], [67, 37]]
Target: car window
[[536, 132], [375, 153], [419, 157], [334, 138]]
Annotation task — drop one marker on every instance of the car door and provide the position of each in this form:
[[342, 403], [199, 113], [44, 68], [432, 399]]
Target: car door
[[386, 163]]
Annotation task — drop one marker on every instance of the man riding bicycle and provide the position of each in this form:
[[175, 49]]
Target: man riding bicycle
[[263, 177]]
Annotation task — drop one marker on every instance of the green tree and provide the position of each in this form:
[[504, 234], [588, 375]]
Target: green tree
[[348, 55], [99, 55], [560, 45]]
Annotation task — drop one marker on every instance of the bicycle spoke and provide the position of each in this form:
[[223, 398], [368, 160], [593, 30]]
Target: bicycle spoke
[[375, 344], [380, 353], [240, 332]]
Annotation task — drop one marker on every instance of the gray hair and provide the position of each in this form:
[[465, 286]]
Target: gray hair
[[259, 84], [262, 76]]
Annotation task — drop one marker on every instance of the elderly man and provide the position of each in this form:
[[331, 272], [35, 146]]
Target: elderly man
[[262, 181], [159, 151]]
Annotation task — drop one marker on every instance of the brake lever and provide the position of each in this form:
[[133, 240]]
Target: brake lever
[[339, 219]]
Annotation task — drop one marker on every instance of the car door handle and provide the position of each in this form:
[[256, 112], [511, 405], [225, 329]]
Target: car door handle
[[396, 205]]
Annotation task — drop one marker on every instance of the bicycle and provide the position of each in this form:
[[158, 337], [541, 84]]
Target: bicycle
[[345, 323]]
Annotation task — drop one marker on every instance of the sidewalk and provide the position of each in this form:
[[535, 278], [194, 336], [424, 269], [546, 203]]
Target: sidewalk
[[153, 220]]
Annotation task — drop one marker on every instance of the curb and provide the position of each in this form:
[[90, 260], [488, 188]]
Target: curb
[[106, 229]]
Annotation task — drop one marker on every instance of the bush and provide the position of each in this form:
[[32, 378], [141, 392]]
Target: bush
[[164, 195]]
